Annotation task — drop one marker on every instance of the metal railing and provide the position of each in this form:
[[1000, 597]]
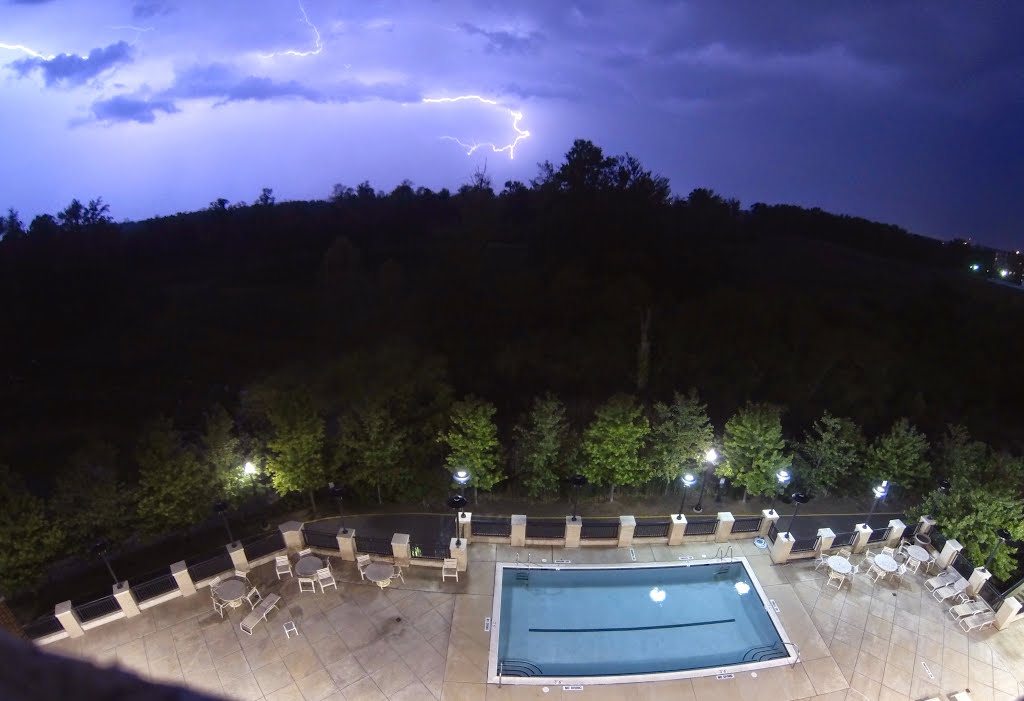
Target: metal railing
[[497, 526], [429, 551], [701, 526], [97, 608], [651, 528], [209, 565], [938, 539], [879, 536], [844, 540], [46, 624], [153, 588], [264, 544], [373, 546], [328, 540], [773, 532], [803, 545], [963, 566], [539, 528], [990, 593], [593, 529], [747, 524]]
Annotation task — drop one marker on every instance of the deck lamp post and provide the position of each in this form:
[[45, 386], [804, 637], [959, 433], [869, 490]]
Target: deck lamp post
[[688, 481], [798, 499], [718, 492], [879, 491], [710, 458], [577, 481], [336, 493], [782, 477], [250, 470], [221, 507], [462, 476], [457, 502], [100, 548], [1003, 535]]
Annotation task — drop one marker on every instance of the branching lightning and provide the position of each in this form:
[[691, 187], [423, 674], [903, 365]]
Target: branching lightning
[[26, 50], [316, 40], [472, 148]]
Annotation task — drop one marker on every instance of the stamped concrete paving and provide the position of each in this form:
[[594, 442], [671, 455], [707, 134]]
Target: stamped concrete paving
[[425, 640]]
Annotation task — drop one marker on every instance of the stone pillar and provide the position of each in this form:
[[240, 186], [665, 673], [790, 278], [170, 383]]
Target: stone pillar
[[400, 549], [780, 549], [676, 530], [949, 551], [572, 531], [724, 530], [1007, 613], [292, 532], [125, 599], [65, 613], [927, 523], [347, 545], [179, 570], [825, 536], [860, 543], [238, 558], [768, 517], [978, 577], [460, 554], [896, 530], [518, 535], [627, 525], [465, 525]]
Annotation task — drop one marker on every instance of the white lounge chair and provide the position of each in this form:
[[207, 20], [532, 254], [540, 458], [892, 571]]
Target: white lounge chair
[[259, 613], [450, 568], [968, 608], [282, 566], [325, 579], [362, 561], [254, 593], [956, 589], [940, 581], [978, 621]]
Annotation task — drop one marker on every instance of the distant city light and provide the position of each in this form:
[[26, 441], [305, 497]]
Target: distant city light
[[1004, 272], [975, 267]]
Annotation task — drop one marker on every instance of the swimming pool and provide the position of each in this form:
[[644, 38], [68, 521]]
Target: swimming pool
[[608, 624]]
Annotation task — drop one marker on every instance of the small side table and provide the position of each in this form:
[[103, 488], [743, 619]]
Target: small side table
[[290, 628]]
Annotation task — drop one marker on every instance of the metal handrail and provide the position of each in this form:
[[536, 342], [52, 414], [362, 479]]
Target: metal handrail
[[797, 653]]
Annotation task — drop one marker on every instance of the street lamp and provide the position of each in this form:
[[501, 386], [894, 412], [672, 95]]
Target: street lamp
[[782, 477], [250, 470], [221, 507], [879, 491], [1003, 535], [718, 492], [798, 498], [457, 502], [688, 481], [710, 458], [462, 476], [100, 548], [336, 493], [577, 482]]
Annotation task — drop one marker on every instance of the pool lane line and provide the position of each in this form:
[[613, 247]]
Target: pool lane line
[[623, 630]]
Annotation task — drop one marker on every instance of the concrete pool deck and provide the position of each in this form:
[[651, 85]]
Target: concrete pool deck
[[425, 640]]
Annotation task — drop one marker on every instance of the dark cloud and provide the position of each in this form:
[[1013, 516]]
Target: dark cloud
[[67, 70], [124, 108], [221, 81], [148, 9], [502, 42]]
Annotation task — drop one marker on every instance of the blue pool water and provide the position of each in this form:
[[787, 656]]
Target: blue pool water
[[644, 620]]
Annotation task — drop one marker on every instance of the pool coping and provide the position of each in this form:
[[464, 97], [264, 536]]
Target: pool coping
[[495, 625]]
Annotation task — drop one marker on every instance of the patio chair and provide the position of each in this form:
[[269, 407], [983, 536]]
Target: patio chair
[[219, 606], [941, 581], [837, 578], [282, 566], [214, 582], [968, 608], [956, 589], [242, 575], [307, 551], [397, 574], [311, 581], [822, 561], [362, 561], [898, 574], [876, 573], [450, 568], [845, 553], [254, 593], [891, 552], [853, 573], [978, 621], [869, 556], [325, 579]]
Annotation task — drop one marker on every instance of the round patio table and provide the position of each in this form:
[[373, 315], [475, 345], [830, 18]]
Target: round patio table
[[886, 563], [379, 573], [308, 565], [918, 553], [839, 564], [231, 591]]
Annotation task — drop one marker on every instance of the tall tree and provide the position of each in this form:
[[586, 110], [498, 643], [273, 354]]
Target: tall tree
[[830, 452], [297, 445], [472, 442], [266, 198], [959, 458], [612, 446], [373, 449], [30, 538], [223, 456], [90, 501], [900, 456], [541, 443], [681, 435], [11, 228], [754, 449], [175, 489]]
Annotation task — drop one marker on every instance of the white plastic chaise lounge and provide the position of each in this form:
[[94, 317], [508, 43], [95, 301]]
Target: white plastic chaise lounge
[[977, 621], [957, 589], [968, 608], [259, 613], [941, 580]]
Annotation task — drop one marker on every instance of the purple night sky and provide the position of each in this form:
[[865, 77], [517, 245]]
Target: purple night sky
[[906, 112]]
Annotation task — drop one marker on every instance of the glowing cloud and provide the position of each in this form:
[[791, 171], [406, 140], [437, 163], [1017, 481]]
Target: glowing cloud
[[316, 40], [472, 148]]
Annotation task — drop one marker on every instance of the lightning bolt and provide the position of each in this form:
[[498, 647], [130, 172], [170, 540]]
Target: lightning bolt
[[25, 49], [472, 148], [316, 40]]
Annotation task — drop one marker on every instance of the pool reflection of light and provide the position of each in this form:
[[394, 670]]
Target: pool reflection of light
[[657, 595], [742, 588]]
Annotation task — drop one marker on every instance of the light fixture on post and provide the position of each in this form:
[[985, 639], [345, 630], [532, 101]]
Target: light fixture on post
[[1003, 535], [336, 493], [710, 458], [718, 492], [250, 470], [457, 502], [577, 482], [688, 481], [798, 499], [100, 548], [782, 477], [221, 507], [462, 476], [879, 492]]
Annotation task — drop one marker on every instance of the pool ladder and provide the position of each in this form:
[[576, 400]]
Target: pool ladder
[[721, 554]]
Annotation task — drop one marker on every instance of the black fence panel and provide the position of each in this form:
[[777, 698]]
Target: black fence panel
[[154, 587], [701, 526], [373, 546], [593, 529], [539, 528], [963, 566], [327, 540], [880, 535], [430, 551], [938, 539], [747, 524], [95, 609], [990, 594], [802, 545], [263, 545], [497, 526], [43, 626], [844, 540], [212, 564], [651, 528], [773, 532]]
